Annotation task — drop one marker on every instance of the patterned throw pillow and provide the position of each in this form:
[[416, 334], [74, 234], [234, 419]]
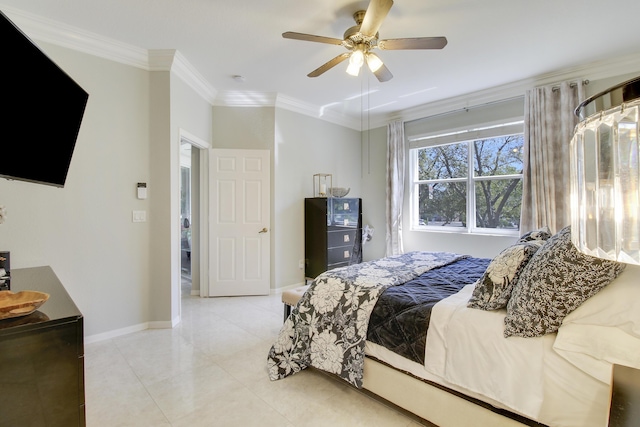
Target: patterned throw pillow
[[557, 280], [542, 233], [493, 290]]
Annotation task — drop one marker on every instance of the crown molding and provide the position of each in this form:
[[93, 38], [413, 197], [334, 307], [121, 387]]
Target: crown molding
[[243, 98], [591, 71], [297, 106], [160, 59], [271, 99], [192, 77], [57, 33], [54, 32], [173, 61]]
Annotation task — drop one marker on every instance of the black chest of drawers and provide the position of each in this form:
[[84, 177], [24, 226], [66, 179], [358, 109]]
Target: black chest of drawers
[[42, 357], [332, 233]]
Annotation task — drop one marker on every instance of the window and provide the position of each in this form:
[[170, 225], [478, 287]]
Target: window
[[473, 185]]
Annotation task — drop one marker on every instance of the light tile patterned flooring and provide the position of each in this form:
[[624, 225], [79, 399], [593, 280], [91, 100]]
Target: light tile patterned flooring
[[210, 370]]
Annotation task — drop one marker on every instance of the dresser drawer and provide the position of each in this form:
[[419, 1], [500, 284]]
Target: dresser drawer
[[339, 254], [343, 237], [337, 265]]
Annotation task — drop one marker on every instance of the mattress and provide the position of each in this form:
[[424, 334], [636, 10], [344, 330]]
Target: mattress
[[467, 352]]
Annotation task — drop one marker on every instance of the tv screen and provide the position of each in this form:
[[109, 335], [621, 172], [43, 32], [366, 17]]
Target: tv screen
[[42, 111]]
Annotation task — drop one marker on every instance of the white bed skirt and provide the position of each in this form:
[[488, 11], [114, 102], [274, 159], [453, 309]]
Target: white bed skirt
[[427, 401]]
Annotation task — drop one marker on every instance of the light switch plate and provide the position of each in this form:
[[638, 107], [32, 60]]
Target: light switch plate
[[139, 216]]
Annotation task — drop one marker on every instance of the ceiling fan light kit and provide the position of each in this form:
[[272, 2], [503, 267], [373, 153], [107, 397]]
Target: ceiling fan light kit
[[355, 62], [374, 62], [362, 38]]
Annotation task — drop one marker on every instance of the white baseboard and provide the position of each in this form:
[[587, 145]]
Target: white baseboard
[[115, 333], [131, 329]]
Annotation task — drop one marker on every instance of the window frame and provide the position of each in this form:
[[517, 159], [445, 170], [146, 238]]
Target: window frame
[[498, 129]]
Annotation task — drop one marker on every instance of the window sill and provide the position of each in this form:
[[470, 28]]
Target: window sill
[[442, 230]]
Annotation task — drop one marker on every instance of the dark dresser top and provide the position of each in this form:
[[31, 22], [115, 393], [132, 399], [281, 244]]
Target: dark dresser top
[[59, 308]]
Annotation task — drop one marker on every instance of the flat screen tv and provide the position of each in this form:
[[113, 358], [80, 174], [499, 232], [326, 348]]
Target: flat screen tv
[[42, 108]]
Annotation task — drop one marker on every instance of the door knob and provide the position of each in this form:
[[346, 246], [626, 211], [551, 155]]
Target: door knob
[[264, 230]]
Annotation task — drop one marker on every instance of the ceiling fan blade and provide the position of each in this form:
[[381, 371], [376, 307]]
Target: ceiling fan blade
[[328, 65], [311, 38], [413, 43], [383, 74], [376, 12]]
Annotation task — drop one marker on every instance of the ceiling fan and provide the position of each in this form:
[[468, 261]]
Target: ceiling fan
[[362, 38]]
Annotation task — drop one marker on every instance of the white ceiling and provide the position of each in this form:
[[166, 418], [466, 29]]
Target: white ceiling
[[491, 43]]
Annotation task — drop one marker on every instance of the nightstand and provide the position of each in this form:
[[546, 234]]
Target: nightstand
[[625, 397]]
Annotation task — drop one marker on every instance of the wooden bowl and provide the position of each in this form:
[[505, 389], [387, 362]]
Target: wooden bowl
[[20, 303]]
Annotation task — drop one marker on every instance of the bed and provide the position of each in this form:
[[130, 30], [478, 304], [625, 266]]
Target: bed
[[526, 338]]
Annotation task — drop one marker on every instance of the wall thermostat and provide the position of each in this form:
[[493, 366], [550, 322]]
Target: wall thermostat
[[142, 190]]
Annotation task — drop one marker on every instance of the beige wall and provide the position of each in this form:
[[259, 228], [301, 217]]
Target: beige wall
[[300, 146], [243, 127], [84, 231], [305, 146], [124, 276], [374, 193]]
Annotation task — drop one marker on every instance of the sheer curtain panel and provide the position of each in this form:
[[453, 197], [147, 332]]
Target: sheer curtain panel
[[395, 186]]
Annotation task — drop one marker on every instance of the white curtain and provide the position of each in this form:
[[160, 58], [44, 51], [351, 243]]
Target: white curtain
[[549, 122], [395, 186]]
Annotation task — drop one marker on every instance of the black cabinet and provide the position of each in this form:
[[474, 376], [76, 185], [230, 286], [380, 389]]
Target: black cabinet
[[42, 357], [332, 233]]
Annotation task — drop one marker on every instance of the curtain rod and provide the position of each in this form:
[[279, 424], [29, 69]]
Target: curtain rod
[[466, 109], [571, 85]]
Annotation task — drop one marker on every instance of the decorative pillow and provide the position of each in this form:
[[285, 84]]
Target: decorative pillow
[[493, 290], [556, 281], [540, 234], [605, 329]]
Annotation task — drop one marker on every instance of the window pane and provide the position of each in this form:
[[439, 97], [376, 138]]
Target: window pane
[[498, 156], [443, 203], [498, 203], [445, 161]]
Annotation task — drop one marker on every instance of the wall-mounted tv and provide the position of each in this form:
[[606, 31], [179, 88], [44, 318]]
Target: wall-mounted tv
[[42, 108]]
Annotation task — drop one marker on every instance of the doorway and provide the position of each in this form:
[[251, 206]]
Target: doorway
[[193, 198], [186, 229], [194, 204]]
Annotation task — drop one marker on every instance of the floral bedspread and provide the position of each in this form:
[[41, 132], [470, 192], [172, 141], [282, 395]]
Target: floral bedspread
[[328, 328]]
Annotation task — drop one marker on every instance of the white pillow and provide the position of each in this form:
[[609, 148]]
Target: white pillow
[[605, 329]]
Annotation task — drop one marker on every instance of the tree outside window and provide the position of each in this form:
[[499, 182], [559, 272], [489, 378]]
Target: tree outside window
[[469, 185]]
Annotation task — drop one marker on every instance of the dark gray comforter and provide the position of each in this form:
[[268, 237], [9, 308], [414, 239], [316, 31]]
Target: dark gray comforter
[[400, 318]]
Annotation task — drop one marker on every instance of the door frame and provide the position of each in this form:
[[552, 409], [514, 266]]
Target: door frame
[[203, 233]]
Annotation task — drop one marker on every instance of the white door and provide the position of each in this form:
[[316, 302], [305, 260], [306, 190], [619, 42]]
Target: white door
[[240, 221]]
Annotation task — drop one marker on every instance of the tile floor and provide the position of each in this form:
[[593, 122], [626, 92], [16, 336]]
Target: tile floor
[[210, 370]]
